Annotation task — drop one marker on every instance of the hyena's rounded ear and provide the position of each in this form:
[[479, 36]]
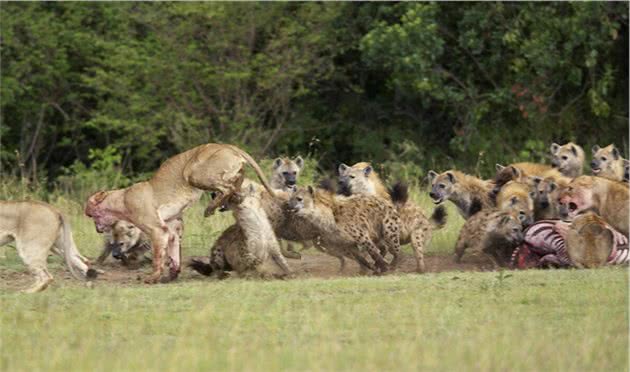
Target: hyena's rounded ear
[[499, 167], [515, 171], [594, 149], [504, 220], [451, 177], [299, 162], [277, 163], [367, 170], [342, 169], [615, 153], [432, 174], [554, 148], [311, 190]]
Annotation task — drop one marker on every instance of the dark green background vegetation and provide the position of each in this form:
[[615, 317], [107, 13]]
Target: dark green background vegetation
[[105, 88]]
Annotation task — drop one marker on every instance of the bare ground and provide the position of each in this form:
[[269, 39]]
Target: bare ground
[[312, 265]]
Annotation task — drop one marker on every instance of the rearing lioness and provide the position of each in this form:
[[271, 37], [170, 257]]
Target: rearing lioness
[[37, 228], [155, 205]]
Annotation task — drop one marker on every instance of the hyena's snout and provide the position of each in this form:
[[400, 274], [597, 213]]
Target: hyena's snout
[[117, 252]]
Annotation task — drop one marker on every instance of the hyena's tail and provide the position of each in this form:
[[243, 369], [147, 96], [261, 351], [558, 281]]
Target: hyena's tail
[[78, 268], [399, 193], [438, 218], [200, 267]]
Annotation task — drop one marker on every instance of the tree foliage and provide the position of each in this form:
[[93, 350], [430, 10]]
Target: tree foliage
[[412, 85]]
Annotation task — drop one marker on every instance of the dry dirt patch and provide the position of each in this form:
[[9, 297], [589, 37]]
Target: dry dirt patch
[[312, 265]]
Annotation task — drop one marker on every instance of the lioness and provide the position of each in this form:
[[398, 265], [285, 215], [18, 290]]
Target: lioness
[[155, 206], [37, 228]]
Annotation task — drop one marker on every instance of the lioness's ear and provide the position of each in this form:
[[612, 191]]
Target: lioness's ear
[[367, 170], [554, 148], [310, 190], [499, 167], [432, 175], [615, 153], [552, 186], [513, 200], [451, 177], [595, 149], [299, 162], [277, 163], [342, 169], [99, 197], [574, 150]]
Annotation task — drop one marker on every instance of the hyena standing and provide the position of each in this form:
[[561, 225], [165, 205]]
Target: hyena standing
[[286, 172], [361, 179], [284, 177], [359, 223]]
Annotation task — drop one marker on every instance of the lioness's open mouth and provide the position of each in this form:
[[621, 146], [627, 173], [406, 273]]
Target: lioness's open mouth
[[596, 170]]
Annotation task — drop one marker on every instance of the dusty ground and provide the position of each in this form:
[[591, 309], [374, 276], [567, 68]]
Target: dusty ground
[[312, 265]]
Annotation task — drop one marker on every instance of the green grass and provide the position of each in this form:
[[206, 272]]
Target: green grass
[[533, 320], [536, 320]]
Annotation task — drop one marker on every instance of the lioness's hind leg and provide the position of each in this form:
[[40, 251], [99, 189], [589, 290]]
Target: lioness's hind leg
[[34, 256], [224, 189], [42, 280], [221, 172]]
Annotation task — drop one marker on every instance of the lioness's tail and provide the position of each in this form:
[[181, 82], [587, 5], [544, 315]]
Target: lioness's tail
[[438, 218], [77, 267], [256, 168]]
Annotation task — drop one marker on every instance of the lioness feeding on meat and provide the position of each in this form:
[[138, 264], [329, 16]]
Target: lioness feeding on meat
[[154, 206]]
